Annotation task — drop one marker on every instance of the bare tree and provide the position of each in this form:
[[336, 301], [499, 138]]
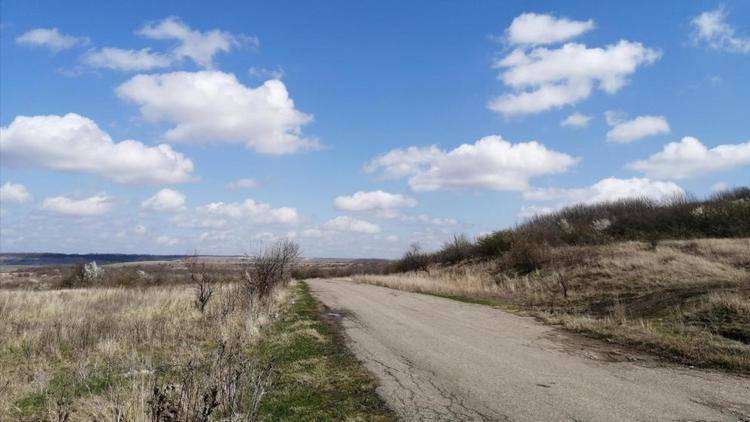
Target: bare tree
[[203, 283], [270, 268], [414, 259]]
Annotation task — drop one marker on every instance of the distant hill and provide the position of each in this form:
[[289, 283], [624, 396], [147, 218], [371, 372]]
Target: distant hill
[[72, 259], [26, 259]]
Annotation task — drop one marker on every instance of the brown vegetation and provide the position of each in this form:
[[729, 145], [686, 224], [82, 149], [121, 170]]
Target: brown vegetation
[[686, 299], [109, 353], [723, 215], [129, 345]]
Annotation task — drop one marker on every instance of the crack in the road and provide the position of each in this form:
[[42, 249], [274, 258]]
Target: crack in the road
[[414, 385]]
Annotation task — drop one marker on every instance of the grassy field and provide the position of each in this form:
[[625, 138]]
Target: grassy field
[[685, 300], [128, 354], [122, 346]]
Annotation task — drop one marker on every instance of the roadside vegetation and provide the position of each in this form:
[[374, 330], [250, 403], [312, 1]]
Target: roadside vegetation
[[185, 342], [317, 378], [129, 354], [671, 278]]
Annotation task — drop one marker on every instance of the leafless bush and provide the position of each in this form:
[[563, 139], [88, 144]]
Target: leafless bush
[[413, 259], [225, 386], [723, 215], [494, 244], [525, 256], [71, 277], [457, 249], [203, 293], [81, 275], [272, 267], [203, 282], [726, 214]]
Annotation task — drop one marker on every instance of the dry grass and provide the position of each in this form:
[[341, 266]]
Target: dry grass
[[98, 353], [685, 299], [588, 270]]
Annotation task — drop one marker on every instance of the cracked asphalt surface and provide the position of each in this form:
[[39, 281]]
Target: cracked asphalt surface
[[441, 360]]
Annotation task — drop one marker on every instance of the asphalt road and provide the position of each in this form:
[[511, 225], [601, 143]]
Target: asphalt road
[[437, 359]]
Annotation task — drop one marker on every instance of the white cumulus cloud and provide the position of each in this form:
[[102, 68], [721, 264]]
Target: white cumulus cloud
[[403, 162], [544, 78], [490, 163], [14, 192], [375, 200], [74, 143], [348, 224], [250, 211], [165, 200], [576, 120], [712, 29], [126, 60], [607, 190], [213, 106], [84, 207], [638, 128], [689, 157], [200, 47], [533, 28], [50, 38]]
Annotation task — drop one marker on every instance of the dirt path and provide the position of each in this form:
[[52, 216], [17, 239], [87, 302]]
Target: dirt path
[[439, 359]]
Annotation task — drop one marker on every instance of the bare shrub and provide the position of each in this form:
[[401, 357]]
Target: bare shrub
[[272, 267], [413, 260], [563, 282], [525, 256], [203, 292], [72, 277], [81, 275], [723, 215], [223, 386], [203, 282], [494, 244], [457, 249]]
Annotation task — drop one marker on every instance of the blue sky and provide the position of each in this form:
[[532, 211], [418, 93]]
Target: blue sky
[[355, 127]]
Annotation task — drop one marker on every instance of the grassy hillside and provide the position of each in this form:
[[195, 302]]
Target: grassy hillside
[[522, 248]]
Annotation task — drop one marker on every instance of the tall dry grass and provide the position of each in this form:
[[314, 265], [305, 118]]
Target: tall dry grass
[[587, 270], [101, 353]]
